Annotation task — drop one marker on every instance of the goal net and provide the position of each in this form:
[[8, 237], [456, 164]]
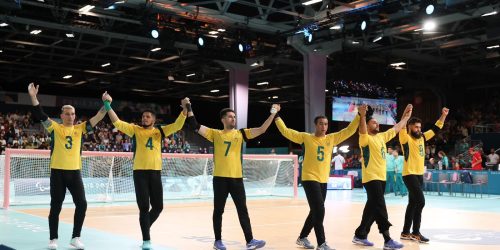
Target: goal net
[[108, 176]]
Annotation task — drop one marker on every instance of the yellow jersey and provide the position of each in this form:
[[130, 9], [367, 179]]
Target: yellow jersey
[[146, 142], [414, 150], [373, 151], [227, 151], [66, 145], [317, 150]]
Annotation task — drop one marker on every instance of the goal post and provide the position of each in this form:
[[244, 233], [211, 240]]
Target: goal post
[[108, 176]]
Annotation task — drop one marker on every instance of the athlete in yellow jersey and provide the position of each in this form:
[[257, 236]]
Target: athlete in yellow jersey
[[228, 172], [146, 145], [318, 148], [373, 150], [65, 164], [413, 145]]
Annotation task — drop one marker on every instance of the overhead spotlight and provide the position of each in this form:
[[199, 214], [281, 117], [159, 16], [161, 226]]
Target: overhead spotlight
[[429, 25], [70, 35], [105, 65], [378, 38], [200, 41], [67, 76], [493, 47], [308, 36], [243, 47], [4, 24], [155, 49], [363, 25], [154, 33], [214, 90], [429, 9]]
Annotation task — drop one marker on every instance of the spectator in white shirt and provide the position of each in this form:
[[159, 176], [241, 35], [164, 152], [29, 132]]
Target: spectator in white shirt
[[338, 162]]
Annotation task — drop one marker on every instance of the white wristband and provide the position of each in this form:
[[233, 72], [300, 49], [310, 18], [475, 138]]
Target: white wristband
[[274, 111]]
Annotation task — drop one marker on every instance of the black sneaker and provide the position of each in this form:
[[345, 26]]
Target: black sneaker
[[420, 238], [406, 236]]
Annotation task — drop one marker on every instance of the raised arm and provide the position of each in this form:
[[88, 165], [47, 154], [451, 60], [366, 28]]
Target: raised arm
[[262, 129], [106, 98], [38, 113], [290, 134], [404, 119], [438, 125], [179, 122], [98, 117], [444, 114], [348, 131], [362, 119], [192, 122]]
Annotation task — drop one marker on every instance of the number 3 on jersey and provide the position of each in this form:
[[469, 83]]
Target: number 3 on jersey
[[321, 153], [69, 145], [149, 144]]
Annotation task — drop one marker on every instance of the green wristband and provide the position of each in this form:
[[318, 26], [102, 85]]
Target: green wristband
[[107, 106]]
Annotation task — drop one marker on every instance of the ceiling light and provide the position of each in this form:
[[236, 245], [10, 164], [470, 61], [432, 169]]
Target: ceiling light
[[398, 64], [67, 76], [214, 90], [275, 97], [493, 47], [70, 35], [336, 27], [105, 65], [429, 9], [311, 2], [86, 8], [221, 30], [192, 74], [262, 83], [213, 32], [490, 13], [378, 38], [155, 33], [429, 25], [4, 24], [156, 49], [35, 32], [363, 25]]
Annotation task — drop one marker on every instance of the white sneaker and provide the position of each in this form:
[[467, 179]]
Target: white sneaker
[[76, 243], [52, 244]]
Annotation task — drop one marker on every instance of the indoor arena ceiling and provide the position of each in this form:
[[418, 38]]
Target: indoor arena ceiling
[[70, 50]]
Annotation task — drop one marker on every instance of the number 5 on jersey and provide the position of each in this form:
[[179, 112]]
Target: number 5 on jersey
[[321, 153]]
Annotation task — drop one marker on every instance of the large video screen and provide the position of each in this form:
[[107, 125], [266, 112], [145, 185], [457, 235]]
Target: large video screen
[[345, 109]]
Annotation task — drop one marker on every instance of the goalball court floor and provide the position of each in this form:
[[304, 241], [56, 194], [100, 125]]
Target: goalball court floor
[[451, 223]]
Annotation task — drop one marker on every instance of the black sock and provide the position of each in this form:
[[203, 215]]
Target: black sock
[[387, 237]]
